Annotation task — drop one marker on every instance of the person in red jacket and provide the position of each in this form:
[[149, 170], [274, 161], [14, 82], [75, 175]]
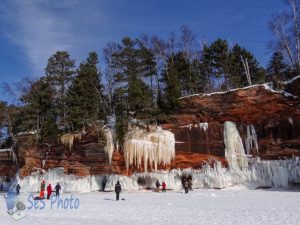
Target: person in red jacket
[[49, 191], [164, 186]]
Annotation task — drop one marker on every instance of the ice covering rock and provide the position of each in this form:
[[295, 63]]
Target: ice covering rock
[[276, 173], [234, 149], [291, 121], [109, 147], [154, 147], [251, 139], [203, 126], [68, 139]]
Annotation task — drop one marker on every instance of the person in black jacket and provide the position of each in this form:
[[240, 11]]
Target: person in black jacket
[[57, 189], [118, 190], [18, 189]]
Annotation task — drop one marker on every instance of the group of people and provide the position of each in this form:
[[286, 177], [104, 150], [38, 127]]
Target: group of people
[[57, 189], [163, 185], [187, 185]]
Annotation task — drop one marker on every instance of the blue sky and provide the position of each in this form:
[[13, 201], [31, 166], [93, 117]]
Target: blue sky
[[32, 30]]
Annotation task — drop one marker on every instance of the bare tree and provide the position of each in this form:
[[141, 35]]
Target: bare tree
[[17, 89], [187, 42], [295, 17], [286, 28], [108, 51]]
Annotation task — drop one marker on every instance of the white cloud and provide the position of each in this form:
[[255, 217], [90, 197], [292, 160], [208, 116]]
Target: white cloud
[[40, 28]]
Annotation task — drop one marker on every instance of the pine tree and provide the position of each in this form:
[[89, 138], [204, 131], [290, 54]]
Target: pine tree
[[276, 68], [238, 77], [172, 90], [59, 72], [85, 98], [132, 69], [132, 63], [38, 111], [221, 63]]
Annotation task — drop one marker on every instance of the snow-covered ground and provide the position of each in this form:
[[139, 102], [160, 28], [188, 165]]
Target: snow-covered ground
[[236, 205]]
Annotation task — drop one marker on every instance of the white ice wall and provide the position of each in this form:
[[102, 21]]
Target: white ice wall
[[278, 173], [234, 149]]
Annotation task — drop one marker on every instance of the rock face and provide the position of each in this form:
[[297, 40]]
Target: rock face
[[87, 157], [7, 166], [274, 115], [198, 128]]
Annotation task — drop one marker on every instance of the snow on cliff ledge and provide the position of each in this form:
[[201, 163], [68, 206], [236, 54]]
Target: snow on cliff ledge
[[267, 86]]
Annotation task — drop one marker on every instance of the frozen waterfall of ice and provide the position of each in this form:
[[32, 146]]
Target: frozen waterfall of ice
[[251, 139], [234, 149], [154, 147], [109, 147], [203, 126]]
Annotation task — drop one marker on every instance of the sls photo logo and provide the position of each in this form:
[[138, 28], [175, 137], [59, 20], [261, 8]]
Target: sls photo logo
[[15, 208]]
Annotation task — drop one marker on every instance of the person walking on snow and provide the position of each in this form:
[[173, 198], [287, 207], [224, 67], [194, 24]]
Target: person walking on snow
[[43, 186], [49, 191], [18, 189], [118, 189], [186, 186], [164, 186], [157, 184], [57, 189], [104, 181]]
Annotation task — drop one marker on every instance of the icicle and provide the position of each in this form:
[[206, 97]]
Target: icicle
[[234, 149], [203, 126], [276, 173], [109, 148], [155, 147], [290, 119], [251, 139], [68, 139]]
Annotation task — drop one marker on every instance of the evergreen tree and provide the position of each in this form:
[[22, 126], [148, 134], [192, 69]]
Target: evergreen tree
[[238, 77], [276, 68], [206, 65], [221, 63], [131, 68], [38, 111], [199, 79], [59, 72], [171, 79], [133, 63], [85, 96]]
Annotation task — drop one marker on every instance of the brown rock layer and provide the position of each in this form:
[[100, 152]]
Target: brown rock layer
[[275, 116]]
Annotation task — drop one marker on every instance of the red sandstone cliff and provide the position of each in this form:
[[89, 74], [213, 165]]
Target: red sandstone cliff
[[275, 116]]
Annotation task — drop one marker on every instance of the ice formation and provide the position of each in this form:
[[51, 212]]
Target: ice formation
[[277, 173], [68, 139], [155, 147], [291, 121], [203, 126], [109, 147], [251, 139], [234, 149], [12, 154]]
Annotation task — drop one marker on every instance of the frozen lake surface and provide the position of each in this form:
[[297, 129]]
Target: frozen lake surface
[[236, 205]]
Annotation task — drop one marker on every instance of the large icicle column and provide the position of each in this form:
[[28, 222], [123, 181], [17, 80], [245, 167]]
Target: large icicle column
[[251, 140], [234, 149], [156, 146], [109, 148]]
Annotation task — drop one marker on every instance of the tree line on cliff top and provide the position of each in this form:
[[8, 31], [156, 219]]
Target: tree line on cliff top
[[144, 78]]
